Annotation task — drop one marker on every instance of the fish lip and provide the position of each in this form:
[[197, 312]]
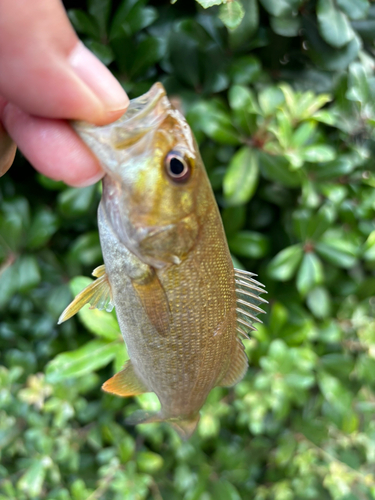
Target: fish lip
[[137, 110]]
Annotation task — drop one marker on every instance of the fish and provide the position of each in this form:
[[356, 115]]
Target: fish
[[182, 307]]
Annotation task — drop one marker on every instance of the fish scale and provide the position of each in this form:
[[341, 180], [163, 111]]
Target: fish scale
[[167, 268]]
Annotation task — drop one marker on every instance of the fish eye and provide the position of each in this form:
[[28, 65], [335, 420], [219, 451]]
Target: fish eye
[[177, 167]]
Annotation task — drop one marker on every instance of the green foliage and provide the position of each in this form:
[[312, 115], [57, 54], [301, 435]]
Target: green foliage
[[280, 96]]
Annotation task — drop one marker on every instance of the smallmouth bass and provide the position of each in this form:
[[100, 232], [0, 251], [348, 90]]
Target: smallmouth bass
[[181, 306]]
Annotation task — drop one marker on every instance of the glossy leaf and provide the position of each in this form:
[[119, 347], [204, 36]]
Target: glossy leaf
[[309, 274], [247, 27], [231, 14], [319, 302], [88, 358], [241, 178], [333, 24], [284, 265], [249, 244], [354, 9]]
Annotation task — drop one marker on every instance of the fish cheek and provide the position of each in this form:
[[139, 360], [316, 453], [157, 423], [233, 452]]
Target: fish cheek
[[172, 243]]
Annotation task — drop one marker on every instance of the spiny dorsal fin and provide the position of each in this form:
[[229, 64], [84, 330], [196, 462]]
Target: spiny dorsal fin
[[237, 368], [125, 383], [248, 292], [98, 294]]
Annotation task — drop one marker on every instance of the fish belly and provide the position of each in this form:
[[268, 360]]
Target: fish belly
[[184, 364]]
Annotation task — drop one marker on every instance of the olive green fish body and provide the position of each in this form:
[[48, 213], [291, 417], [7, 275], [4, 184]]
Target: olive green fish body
[[183, 366], [180, 304]]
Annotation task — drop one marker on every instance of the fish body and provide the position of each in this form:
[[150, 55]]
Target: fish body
[[168, 269]]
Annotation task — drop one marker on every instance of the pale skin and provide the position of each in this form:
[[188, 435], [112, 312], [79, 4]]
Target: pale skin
[[47, 77]]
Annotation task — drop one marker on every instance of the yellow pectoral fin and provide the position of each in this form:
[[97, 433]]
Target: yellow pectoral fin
[[125, 383], [155, 303], [98, 294]]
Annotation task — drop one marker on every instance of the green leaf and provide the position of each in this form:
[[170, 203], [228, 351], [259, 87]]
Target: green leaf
[[224, 490], [215, 122], [31, 481], [280, 8], [209, 3], [334, 392], [86, 249], [284, 265], [333, 24], [84, 23], [369, 247], [92, 356], [14, 222], [336, 168], [309, 274], [100, 11], [338, 252], [76, 201], [286, 26], [249, 244], [319, 153], [43, 225], [319, 302], [148, 461], [100, 323], [355, 9], [149, 51], [304, 133], [231, 14], [358, 84], [247, 28], [270, 99], [102, 52], [242, 98], [324, 55], [246, 69], [241, 178], [8, 282], [28, 272], [276, 168]]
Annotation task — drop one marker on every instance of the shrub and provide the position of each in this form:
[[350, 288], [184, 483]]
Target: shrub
[[280, 97]]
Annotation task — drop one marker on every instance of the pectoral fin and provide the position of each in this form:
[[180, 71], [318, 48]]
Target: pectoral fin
[[155, 303], [237, 368], [125, 383], [98, 294]]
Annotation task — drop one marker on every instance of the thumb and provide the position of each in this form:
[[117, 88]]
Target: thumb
[[46, 71]]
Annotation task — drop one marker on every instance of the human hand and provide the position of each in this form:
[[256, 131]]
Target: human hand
[[46, 77]]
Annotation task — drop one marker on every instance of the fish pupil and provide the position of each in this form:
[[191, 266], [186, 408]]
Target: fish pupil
[[176, 166]]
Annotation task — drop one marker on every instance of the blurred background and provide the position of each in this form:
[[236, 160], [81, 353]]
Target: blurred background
[[280, 95]]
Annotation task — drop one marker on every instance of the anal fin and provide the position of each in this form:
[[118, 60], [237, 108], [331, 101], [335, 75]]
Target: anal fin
[[237, 368], [125, 383], [98, 294]]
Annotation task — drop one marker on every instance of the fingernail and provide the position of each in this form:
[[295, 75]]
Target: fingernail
[[98, 78], [91, 180]]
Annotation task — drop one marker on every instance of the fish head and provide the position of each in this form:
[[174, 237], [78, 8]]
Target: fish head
[[155, 187]]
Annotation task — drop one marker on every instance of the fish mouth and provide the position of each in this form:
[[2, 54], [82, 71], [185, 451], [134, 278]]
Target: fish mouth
[[141, 106], [145, 113]]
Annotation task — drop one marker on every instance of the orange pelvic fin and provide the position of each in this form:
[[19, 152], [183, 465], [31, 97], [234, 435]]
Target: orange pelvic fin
[[125, 383], [155, 303], [98, 294], [184, 426], [237, 368]]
